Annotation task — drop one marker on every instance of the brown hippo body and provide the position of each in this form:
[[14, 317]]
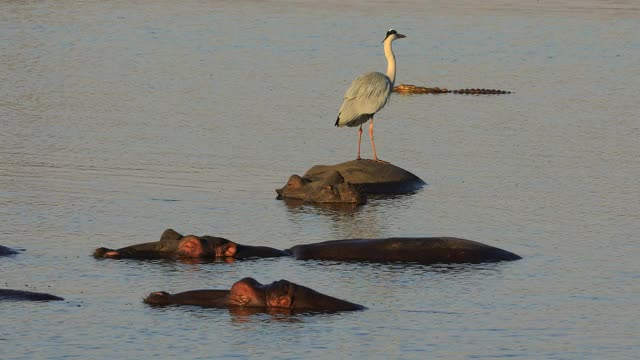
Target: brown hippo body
[[249, 293], [430, 250], [173, 245]]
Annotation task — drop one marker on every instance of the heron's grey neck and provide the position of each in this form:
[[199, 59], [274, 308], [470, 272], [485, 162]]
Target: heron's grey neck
[[391, 61]]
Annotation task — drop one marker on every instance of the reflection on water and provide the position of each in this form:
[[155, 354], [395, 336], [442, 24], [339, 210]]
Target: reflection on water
[[296, 206], [246, 314], [121, 119], [413, 269], [350, 220], [175, 264]]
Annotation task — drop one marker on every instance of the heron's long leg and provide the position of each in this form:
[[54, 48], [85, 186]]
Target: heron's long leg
[[359, 141], [373, 144]]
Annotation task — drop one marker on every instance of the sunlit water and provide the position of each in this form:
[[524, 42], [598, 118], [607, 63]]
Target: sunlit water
[[122, 119]]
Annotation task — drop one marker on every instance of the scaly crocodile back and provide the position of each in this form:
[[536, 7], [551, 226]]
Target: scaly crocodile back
[[413, 89]]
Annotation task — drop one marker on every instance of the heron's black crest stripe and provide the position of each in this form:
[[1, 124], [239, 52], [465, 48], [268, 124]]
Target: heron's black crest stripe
[[391, 31]]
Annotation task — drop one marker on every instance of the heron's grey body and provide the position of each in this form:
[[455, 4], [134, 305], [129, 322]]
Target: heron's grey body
[[368, 94]]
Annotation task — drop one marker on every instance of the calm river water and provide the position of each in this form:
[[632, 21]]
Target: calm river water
[[121, 119]]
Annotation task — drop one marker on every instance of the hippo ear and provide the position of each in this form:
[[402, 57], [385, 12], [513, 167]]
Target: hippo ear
[[170, 235], [295, 182]]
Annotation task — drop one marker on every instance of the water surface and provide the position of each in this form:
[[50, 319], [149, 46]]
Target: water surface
[[121, 119]]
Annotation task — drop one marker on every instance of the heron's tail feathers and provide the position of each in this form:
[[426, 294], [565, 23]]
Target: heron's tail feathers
[[352, 121]]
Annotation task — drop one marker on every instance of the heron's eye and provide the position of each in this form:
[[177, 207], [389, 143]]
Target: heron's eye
[[391, 32]]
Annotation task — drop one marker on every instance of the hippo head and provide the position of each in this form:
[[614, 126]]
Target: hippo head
[[192, 246], [158, 298], [278, 297], [349, 182], [284, 294], [182, 247], [329, 187]]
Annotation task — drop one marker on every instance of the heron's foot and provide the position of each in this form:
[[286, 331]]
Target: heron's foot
[[358, 158], [381, 161]]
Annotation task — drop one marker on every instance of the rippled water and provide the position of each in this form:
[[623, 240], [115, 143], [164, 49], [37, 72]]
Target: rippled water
[[120, 119]]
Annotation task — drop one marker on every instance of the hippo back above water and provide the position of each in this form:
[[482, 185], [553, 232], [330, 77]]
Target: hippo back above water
[[22, 295], [4, 251], [424, 250]]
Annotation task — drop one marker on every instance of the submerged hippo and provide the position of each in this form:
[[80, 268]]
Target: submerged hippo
[[176, 246], [4, 251], [248, 292], [16, 295], [428, 250], [349, 182], [331, 189]]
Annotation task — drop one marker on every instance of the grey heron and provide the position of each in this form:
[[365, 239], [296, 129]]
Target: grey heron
[[368, 94]]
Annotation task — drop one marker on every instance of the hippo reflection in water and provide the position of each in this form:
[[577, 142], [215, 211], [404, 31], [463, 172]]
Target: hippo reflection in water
[[248, 292], [176, 246]]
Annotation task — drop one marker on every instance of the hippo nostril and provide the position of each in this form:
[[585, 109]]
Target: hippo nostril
[[157, 298], [240, 300]]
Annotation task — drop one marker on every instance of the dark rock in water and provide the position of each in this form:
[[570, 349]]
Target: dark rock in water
[[17, 295], [349, 182], [6, 251]]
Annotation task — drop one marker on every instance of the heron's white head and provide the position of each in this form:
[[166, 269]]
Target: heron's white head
[[393, 35]]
